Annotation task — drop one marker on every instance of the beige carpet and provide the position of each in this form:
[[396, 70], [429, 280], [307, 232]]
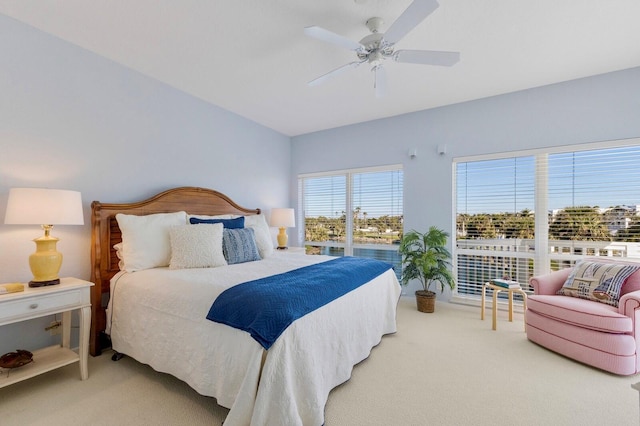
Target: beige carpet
[[446, 368]]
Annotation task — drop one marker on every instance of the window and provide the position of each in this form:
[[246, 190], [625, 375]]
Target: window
[[373, 225], [495, 215], [527, 214]]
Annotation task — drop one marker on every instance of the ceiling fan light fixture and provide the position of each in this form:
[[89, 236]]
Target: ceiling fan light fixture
[[377, 46], [375, 58]]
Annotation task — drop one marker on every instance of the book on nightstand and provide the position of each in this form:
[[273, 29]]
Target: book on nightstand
[[11, 288], [505, 283]]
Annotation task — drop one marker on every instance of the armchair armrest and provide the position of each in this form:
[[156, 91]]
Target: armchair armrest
[[549, 283], [629, 305]]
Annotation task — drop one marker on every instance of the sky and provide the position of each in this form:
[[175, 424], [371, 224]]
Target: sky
[[376, 193], [603, 178]]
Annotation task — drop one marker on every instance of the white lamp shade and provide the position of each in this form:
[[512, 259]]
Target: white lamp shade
[[41, 206], [283, 218]]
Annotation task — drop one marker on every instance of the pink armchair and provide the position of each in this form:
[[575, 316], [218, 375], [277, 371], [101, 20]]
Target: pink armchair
[[594, 333]]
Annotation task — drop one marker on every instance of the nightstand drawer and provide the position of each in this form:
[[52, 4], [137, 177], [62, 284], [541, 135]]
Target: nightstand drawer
[[40, 305]]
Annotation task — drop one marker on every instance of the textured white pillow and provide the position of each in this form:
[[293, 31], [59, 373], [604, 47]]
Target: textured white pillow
[[196, 246], [145, 239], [263, 235]]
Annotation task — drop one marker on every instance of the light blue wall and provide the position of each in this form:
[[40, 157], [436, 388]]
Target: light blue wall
[[70, 119], [600, 108]]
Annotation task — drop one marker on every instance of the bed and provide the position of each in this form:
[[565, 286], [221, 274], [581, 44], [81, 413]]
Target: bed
[[158, 315]]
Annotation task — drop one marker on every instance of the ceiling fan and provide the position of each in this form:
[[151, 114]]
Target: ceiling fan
[[377, 47]]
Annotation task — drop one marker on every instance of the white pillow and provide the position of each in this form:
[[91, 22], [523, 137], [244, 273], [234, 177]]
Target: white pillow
[[145, 239], [196, 246], [263, 234]]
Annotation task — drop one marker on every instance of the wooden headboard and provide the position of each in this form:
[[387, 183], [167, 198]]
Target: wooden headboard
[[105, 233]]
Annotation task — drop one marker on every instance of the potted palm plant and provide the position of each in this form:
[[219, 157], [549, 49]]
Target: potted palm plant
[[425, 257]]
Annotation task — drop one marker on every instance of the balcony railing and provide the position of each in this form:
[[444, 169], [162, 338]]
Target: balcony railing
[[478, 261], [385, 252]]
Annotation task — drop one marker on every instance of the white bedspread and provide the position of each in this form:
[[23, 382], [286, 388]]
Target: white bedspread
[[158, 317]]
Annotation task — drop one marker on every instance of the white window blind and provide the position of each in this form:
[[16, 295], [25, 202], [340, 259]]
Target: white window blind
[[377, 207], [324, 206], [529, 214], [353, 212], [495, 198], [594, 197], [495, 215]]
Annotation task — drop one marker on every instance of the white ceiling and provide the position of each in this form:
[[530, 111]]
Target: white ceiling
[[252, 57]]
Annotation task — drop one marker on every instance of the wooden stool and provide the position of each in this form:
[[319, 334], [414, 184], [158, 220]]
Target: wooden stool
[[497, 289]]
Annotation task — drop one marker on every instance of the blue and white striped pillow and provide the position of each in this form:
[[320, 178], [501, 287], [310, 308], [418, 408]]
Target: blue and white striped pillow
[[239, 245], [600, 282]]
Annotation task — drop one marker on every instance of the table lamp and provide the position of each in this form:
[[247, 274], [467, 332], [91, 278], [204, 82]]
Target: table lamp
[[283, 218], [44, 207]]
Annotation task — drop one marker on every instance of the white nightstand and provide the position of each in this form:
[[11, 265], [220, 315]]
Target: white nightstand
[[69, 295]]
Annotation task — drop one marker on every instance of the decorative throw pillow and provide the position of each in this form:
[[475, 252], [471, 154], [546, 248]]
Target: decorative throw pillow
[[239, 245], [196, 246], [264, 241], [600, 282], [145, 239], [236, 223]]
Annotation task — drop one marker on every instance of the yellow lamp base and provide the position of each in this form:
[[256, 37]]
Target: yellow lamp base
[[45, 262], [282, 238]]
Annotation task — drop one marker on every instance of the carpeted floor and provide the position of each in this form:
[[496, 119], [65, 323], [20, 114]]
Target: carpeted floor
[[445, 368]]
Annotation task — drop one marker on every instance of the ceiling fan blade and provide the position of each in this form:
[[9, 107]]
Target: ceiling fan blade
[[380, 81], [410, 18], [331, 37], [333, 73], [427, 57]]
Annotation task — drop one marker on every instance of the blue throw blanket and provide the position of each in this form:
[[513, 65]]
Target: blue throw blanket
[[267, 306]]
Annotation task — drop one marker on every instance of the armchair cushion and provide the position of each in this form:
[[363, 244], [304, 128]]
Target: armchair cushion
[[609, 351], [579, 312], [600, 282]]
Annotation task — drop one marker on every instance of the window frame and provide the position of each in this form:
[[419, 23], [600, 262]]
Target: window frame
[[541, 254], [348, 246]]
